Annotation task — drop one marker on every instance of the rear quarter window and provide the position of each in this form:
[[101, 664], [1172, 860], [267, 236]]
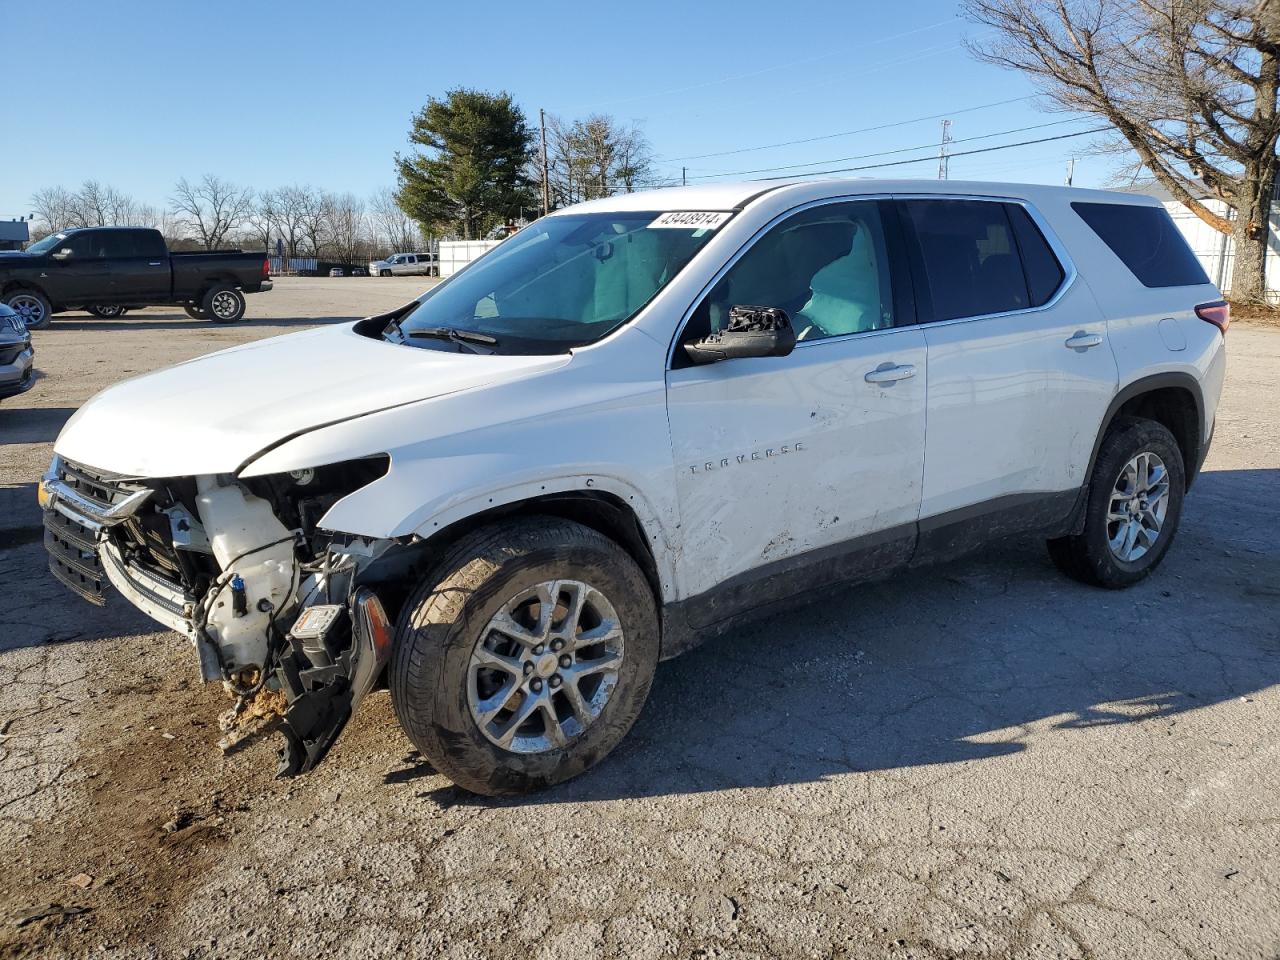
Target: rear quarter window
[[1146, 241]]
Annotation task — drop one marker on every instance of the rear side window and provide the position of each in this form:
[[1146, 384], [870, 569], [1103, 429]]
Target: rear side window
[[969, 257], [1044, 272], [1146, 240]]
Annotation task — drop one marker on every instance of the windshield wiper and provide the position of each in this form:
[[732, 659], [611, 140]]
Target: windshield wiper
[[464, 338]]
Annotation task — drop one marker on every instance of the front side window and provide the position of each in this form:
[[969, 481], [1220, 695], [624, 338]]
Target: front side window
[[562, 282], [827, 267], [969, 258]]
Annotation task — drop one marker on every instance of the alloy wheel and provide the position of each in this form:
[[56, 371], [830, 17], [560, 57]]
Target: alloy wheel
[[1139, 503], [29, 308], [545, 666], [225, 305]]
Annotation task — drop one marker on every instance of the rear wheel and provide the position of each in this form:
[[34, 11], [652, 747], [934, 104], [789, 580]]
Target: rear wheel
[[526, 656], [32, 306], [1134, 506], [223, 304]]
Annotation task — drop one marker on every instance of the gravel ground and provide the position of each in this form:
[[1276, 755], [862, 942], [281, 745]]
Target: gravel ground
[[981, 759]]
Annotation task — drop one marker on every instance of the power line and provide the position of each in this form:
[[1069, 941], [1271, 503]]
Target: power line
[[884, 153], [849, 133], [933, 157]]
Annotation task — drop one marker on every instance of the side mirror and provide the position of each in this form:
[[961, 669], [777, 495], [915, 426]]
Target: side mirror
[[752, 332], [63, 254]]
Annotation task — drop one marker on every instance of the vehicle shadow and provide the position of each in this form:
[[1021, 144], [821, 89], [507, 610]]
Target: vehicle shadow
[[32, 424], [989, 656]]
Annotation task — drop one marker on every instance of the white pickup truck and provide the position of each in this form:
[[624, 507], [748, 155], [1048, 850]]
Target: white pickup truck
[[629, 426]]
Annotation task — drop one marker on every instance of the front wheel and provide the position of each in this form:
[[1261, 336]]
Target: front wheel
[[223, 304], [526, 656], [1134, 505], [32, 306], [194, 312], [106, 311], [384, 273]]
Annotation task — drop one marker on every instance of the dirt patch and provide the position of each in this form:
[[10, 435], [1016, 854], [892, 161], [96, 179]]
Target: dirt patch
[[159, 805], [1255, 313]]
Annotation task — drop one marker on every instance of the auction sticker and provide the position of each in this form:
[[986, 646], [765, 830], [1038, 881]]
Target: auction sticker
[[691, 219]]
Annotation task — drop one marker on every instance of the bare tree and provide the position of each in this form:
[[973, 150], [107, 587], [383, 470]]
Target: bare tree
[[1190, 86], [291, 206], [94, 204], [394, 230], [347, 225], [210, 208], [316, 220], [593, 157], [53, 208], [262, 218]]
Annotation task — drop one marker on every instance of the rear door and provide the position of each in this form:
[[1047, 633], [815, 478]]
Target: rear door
[[137, 265], [794, 472], [1018, 366]]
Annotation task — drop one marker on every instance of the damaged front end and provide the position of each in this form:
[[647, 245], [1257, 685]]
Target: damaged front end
[[281, 611]]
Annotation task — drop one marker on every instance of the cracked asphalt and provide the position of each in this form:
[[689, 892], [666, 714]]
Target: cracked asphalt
[[976, 760]]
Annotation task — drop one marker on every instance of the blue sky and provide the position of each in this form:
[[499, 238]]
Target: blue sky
[[137, 93]]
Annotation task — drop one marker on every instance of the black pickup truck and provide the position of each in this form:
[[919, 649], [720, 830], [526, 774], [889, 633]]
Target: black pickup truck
[[107, 270]]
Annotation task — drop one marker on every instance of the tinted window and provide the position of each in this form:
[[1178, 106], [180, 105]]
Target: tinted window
[[148, 243], [114, 243], [1146, 240], [969, 257], [827, 267], [1044, 272]]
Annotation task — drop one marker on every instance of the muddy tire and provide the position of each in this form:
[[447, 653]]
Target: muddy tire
[[1134, 506], [525, 656], [223, 304]]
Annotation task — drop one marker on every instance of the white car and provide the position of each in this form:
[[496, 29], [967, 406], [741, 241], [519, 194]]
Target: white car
[[403, 265], [632, 425]]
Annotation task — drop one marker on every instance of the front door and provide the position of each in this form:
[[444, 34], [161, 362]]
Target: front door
[[794, 472]]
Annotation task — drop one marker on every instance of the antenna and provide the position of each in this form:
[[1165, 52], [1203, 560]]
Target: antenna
[[942, 149]]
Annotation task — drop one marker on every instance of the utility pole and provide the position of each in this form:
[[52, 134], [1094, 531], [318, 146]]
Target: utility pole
[[684, 179], [1071, 170], [546, 182], [942, 150]]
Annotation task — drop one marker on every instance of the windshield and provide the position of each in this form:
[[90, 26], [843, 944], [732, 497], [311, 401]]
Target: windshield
[[47, 244], [561, 282]]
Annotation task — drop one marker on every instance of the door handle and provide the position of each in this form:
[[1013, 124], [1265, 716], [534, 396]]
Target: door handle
[[1083, 341], [890, 373]]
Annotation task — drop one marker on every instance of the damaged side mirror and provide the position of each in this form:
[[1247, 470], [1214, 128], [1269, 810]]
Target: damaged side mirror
[[751, 332]]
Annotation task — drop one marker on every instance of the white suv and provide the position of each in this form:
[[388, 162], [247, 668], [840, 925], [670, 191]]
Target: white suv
[[627, 427]]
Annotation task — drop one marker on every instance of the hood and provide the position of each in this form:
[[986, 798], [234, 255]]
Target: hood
[[213, 414]]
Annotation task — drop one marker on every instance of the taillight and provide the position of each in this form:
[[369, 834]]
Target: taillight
[[266, 269], [1218, 313]]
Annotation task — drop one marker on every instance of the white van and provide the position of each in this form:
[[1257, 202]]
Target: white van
[[633, 424]]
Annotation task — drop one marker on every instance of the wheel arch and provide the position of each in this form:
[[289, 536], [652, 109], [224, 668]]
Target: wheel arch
[[605, 511], [1173, 399]]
